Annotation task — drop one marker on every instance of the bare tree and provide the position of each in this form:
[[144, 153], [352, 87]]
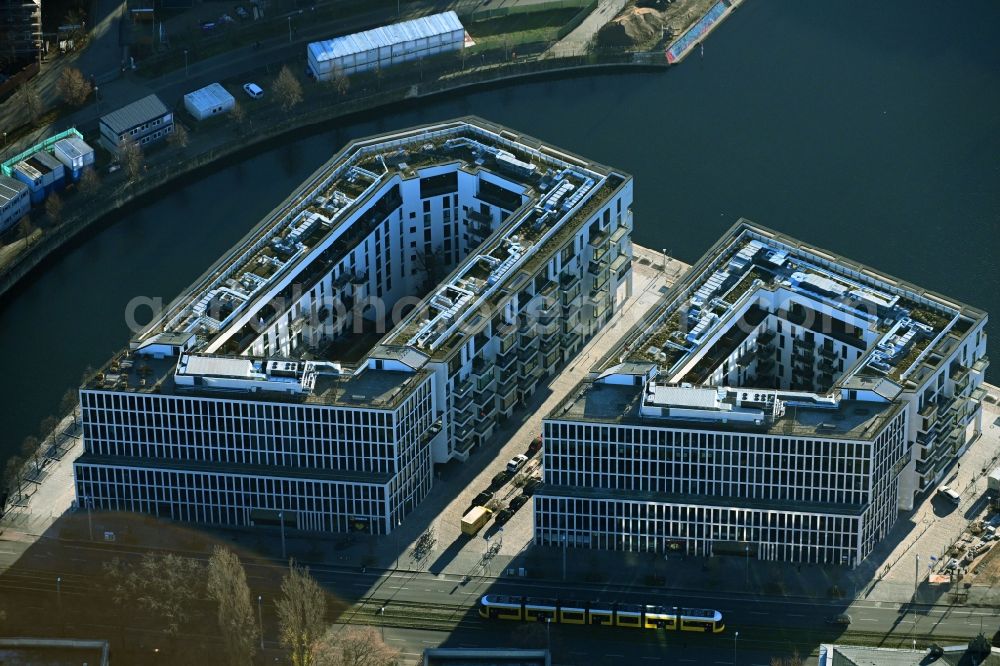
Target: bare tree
[[170, 585], [122, 585], [27, 229], [31, 449], [31, 101], [354, 646], [179, 137], [67, 404], [54, 208], [13, 475], [90, 182], [73, 86], [47, 427], [287, 89], [131, 157], [340, 81], [239, 116], [794, 660], [301, 612], [227, 586]]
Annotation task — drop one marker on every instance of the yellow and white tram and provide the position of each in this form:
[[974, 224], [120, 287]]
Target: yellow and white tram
[[569, 611]]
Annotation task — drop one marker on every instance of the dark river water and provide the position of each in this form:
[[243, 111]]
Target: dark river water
[[870, 129]]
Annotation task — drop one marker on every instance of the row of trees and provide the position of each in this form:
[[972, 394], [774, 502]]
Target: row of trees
[[168, 589], [72, 87], [33, 452]]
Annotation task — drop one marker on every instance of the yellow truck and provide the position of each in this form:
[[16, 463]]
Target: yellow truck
[[473, 521]]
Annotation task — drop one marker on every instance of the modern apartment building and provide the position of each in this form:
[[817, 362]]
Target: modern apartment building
[[20, 33], [406, 298], [782, 402]]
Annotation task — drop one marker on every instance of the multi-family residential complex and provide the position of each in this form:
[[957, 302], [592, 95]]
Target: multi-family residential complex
[[406, 298], [782, 402]]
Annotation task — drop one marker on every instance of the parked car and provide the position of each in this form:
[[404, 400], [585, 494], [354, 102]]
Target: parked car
[[253, 90], [949, 494], [503, 515], [842, 619], [241, 11], [518, 502], [482, 498], [535, 446], [516, 463]]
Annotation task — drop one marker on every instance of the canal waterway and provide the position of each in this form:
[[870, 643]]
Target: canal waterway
[[868, 129]]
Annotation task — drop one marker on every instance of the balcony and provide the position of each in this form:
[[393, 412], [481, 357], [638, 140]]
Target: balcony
[[764, 338], [462, 387], [596, 267], [506, 360], [506, 384], [528, 355], [979, 367], [828, 354], [764, 351], [599, 240], [464, 439], [569, 279], [961, 379], [547, 331], [529, 372], [765, 366], [600, 281], [464, 418], [569, 340], [570, 294], [619, 234], [484, 427], [528, 341], [460, 403]]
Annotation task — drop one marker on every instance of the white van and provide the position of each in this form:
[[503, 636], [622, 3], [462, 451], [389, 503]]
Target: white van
[[254, 90]]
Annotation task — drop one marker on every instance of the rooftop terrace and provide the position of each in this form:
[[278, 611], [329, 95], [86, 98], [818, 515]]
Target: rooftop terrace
[[896, 324], [800, 414]]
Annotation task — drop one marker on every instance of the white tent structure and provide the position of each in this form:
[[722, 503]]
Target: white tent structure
[[209, 101], [386, 46]]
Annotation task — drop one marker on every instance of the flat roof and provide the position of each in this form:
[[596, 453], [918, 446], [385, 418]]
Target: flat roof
[[73, 146], [209, 97], [597, 402], [323, 220], [894, 322]]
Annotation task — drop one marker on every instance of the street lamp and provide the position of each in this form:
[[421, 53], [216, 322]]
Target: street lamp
[[748, 564], [399, 523], [564, 555], [185, 63], [548, 641], [260, 621], [90, 525], [281, 519], [381, 613], [289, 29], [735, 636]]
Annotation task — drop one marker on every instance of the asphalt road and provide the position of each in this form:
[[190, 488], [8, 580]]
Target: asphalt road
[[767, 627]]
